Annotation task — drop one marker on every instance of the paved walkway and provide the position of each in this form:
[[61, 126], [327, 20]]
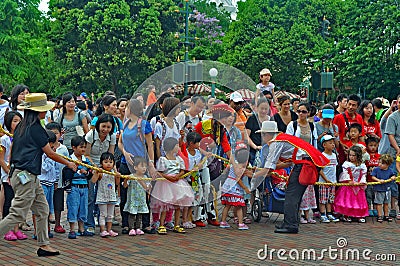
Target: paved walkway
[[213, 245]]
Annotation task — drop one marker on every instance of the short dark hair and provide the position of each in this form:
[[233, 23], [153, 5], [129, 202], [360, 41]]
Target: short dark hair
[[104, 118], [306, 105], [341, 96], [107, 156], [138, 160], [53, 125], [242, 155], [197, 97], [377, 103], [371, 139], [354, 97], [355, 125], [169, 144], [52, 136], [294, 100], [193, 137], [77, 140]]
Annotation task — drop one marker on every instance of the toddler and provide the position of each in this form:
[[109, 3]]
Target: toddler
[[136, 196], [106, 194], [382, 191]]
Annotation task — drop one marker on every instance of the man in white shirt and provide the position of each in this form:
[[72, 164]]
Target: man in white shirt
[[197, 105]]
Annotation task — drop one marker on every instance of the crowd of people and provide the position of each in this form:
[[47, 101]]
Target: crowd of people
[[173, 149]]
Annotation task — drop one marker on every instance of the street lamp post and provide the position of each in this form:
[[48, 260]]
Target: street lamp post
[[213, 74]]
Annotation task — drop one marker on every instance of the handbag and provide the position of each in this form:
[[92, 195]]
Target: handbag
[[308, 173]]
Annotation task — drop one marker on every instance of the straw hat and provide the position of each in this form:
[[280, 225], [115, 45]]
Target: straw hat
[[36, 102], [268, 127]]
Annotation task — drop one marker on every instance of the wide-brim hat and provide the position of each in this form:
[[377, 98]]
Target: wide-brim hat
[[36, 102], [265, 71], [268, 127]]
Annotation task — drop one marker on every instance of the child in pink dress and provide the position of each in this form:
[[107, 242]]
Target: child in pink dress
[[351, 200], [173, 193]]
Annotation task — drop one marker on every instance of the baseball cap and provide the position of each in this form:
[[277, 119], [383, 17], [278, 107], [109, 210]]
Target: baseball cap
[[236, 97], [326, 138]]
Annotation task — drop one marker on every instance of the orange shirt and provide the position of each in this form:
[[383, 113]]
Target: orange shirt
[[241, 120], [151, 98]]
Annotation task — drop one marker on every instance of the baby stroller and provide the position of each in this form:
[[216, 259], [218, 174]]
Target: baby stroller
[[270, 194], [268, 197]]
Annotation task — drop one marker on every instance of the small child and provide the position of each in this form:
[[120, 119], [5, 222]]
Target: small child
[[173, 193], [48, 178], [11, 120], [372, 149], [354, 133], [58, 198], [136, 196], [350, 200], [194, 156], [328, 175], [233, 188], [382, 191], [77, 197], [106, 198]]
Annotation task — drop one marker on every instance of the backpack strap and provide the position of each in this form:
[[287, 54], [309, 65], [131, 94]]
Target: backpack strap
[[346, 120], [79, 118], [294, 127]]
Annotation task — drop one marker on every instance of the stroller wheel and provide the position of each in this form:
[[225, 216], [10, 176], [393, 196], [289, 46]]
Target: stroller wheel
[[256, 210]]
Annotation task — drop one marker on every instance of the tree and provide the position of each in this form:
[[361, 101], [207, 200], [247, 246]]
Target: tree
[[280, 35], [367, 54]]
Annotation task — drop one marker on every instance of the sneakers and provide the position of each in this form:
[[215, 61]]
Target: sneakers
[[213, 222], [398, 216], [155, 225], [303, 221], [90, 230], [115, 222], [59, 229], [85, 233], [200, 223], [112, 233], [243, 227], [10, 236], [72, 235], [224, 225], [333, 218], [20, 235], [324, 219], [132, 232], [311, 221], [104, 234], [50, 235], [169, 226], [188, 225], [139, 232]]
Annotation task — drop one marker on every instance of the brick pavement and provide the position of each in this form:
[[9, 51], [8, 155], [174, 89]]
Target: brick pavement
[[210, 245]]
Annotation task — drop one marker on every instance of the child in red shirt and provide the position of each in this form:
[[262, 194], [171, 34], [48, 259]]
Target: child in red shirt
[[354, 133], [372, 149]]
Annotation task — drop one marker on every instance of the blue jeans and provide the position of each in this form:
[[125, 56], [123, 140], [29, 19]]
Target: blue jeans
[[77, 202], [92, 208], [48, 193]]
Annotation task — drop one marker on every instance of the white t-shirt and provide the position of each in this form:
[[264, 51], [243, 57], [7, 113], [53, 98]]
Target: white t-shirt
[[181, 119], [194, 159], [6, 144], [169, 132], [268, 87], [330, 169]]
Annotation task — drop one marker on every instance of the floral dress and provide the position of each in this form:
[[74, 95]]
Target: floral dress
[[136, 198]]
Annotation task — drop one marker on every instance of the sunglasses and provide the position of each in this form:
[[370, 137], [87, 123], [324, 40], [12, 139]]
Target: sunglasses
[[302, 111]]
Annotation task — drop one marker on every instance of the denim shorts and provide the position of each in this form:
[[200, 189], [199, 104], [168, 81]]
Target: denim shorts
[[77, 204]]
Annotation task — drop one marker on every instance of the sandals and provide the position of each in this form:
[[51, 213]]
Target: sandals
[[162, 230], [388, 218], [379, 219], [178, 229], [347, 219]]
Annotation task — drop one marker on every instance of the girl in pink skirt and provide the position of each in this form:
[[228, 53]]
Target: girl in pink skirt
[[174, 192], [351, 200]]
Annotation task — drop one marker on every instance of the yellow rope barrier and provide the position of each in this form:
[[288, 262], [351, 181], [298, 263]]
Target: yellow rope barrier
[[130, 177]]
